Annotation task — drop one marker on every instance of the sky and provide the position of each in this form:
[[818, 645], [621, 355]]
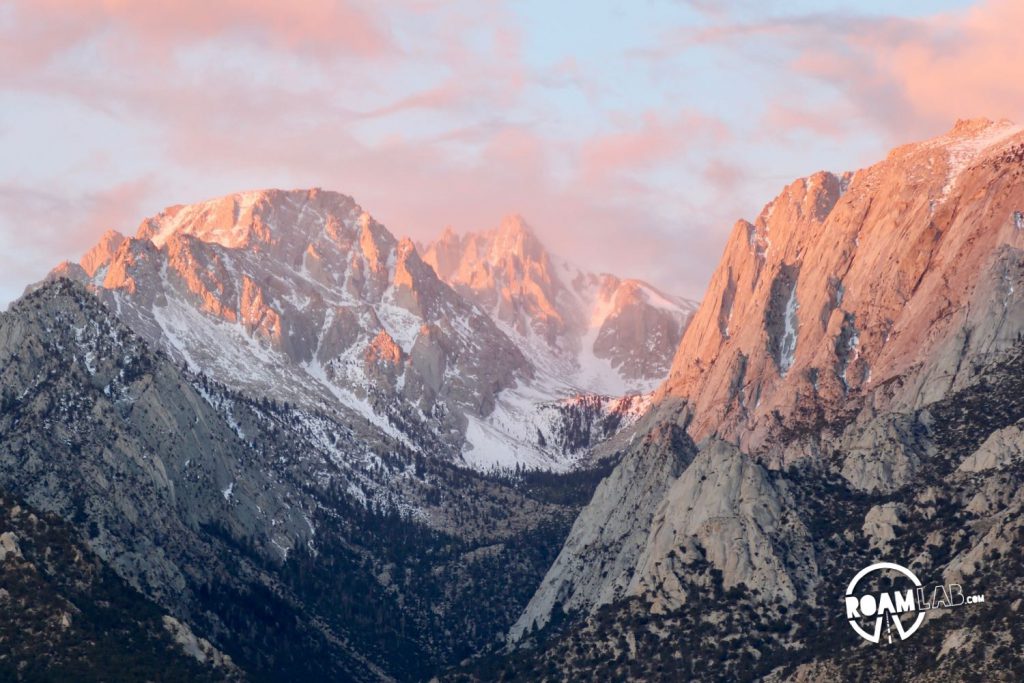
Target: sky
[[630, 135]]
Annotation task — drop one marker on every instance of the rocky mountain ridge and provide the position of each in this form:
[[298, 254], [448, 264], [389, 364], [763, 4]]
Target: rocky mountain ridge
[[282, 537], [848, 283], [302, 297]]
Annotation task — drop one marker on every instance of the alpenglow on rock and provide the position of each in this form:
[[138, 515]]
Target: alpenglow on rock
[[293, 295], [847, 282], [599, 333]]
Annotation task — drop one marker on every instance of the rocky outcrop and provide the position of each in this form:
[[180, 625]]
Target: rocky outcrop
[[639, 335], [881, 524], [948, 526], [1003, 447], [665, 515], [101, 255], [601, 553], [725, 510], [9, 546], [199, 648]]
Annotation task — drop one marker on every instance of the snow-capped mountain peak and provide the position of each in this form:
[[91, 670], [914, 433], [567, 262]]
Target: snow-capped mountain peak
[[303, 297], [260, 216], [599, 333]]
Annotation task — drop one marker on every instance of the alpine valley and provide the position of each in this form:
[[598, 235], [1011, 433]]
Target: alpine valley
[[264, 439]]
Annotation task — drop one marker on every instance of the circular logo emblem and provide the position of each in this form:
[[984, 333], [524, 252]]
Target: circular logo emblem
[[887, 609]]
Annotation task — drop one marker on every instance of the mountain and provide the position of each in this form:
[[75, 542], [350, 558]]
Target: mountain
[[597, 333], [255, 415], [302, 297], [850, 389], [239, 441], [843, 285]]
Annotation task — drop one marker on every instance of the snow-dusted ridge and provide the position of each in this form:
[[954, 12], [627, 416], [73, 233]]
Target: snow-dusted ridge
[[302, 297]]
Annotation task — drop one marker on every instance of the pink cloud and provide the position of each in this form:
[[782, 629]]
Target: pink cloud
[[916, 76], [475, 145], [324, 27], [828, 121], [445, 95], [724, 177], [47, 227], [906, 77], [653, 141], [957, 63]]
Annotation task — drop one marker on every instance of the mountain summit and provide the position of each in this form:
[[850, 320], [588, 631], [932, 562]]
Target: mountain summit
[[844, 284], [291, 295]]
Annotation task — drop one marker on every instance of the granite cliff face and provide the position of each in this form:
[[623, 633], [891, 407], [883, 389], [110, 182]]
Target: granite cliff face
[[600, 556], [856, 357], [904, 272]]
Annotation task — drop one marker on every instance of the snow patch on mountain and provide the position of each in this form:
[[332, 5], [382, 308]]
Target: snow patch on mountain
[[530, 429]]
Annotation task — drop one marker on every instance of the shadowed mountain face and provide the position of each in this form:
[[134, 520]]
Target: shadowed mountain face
[[856, 360], [67, 616], [287, 539]]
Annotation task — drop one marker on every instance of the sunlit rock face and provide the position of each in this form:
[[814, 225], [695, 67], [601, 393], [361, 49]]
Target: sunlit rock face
[[302, 296], [599, 332], [845, 283]]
